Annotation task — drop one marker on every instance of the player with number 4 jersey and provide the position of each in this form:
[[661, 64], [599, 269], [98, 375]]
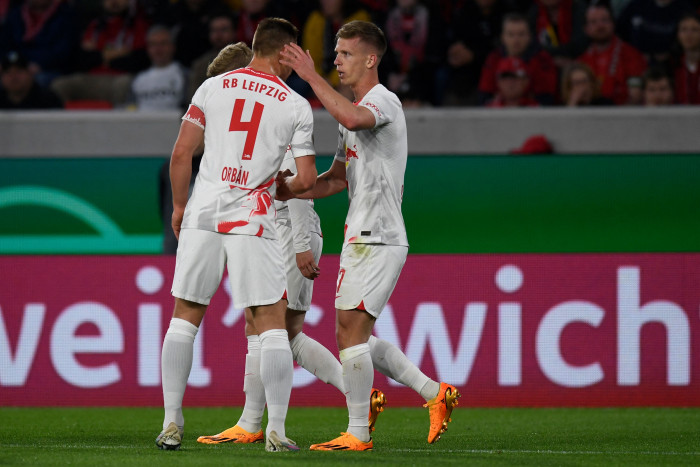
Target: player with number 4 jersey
[[235, 190], [246, 120]]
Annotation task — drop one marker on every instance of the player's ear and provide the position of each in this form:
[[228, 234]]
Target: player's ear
[[372, 60]]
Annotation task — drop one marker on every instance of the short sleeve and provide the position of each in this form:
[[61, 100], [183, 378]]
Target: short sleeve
[[383, 109], [340, 150], [195, 112], [302, 143]]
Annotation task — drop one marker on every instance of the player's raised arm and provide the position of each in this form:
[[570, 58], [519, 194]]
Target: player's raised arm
[[350, 116], [189, 141]]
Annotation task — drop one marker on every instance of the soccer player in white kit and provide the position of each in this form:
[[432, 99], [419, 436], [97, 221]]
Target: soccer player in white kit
[[370, 162], [299, 229], [245, 119]]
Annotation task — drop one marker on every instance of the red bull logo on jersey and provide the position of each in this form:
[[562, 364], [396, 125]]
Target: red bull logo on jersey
[[350, 153]]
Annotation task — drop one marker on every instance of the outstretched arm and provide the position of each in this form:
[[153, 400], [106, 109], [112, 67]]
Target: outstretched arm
[[327, 184], [190, 138], [350, 116]]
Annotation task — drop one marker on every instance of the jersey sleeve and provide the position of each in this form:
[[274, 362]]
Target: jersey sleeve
[[299, 212], [383, 109], [302, 143], [195, 112], [340, 150]]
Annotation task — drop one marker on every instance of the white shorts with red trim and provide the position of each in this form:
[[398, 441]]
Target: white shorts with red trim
[[367, 277], [255, 267], [299, 288]]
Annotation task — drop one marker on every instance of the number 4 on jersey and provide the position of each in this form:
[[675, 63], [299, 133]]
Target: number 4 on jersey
[[250, 127]]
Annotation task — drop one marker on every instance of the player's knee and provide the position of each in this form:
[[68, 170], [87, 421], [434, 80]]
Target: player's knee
[[295, 322]]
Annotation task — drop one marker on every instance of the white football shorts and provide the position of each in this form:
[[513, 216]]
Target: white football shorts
[[367, 276], [256, 269], [299, 288]]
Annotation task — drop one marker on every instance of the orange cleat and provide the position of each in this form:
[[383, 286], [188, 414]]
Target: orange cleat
[[344, 442], [235, 434], [377, 400], [440, 410]]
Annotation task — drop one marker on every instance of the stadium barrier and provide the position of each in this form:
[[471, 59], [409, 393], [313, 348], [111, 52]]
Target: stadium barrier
[[508, 329], [657, 130]]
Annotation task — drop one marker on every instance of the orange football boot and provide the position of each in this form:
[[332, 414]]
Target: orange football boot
[[377, 400], [235, 434], [440, 408], [344, 442]]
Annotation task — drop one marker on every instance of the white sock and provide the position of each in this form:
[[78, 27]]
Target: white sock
[[317, 360], [176, 363], [254, 408], [390, 361], [276, 372], [358, 375]]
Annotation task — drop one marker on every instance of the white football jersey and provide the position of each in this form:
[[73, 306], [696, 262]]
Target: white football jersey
[[375, 164], [249, 118], [299, 213]]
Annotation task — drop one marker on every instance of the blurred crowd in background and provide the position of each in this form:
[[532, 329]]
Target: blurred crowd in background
[[153, 54]]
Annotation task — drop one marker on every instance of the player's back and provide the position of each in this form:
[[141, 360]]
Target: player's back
[[249, 118]]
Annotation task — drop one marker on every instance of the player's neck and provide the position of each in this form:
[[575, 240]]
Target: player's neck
[[364, 86], [268, 65]]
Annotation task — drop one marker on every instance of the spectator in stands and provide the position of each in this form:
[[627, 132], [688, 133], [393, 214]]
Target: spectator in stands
[[19, 90], [580, 87], [657, 88], [650, 26], [517, 42], [113, 48], [473, 34], [221, 33], [410, 70], [512, 84], [318, 35], [190, 22], [558, 27], [163, 85], [5, 7], [615, 63], [43, 31], [686, 69]]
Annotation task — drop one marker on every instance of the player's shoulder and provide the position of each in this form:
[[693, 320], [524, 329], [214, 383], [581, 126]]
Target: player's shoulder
[[384, 103], [380, 92], [300, 104]]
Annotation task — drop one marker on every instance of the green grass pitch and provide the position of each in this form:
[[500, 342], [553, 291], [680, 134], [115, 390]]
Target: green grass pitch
[[489, 437]]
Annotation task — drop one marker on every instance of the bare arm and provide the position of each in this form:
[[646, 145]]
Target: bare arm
[[306, 175], [190, 138], [299, 212], [328, 183], [350, 116]]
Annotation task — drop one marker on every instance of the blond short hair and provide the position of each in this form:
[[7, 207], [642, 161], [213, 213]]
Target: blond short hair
[[230, 58]]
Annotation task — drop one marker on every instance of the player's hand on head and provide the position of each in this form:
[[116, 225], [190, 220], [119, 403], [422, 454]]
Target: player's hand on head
[[299, 60], [307, 265]]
